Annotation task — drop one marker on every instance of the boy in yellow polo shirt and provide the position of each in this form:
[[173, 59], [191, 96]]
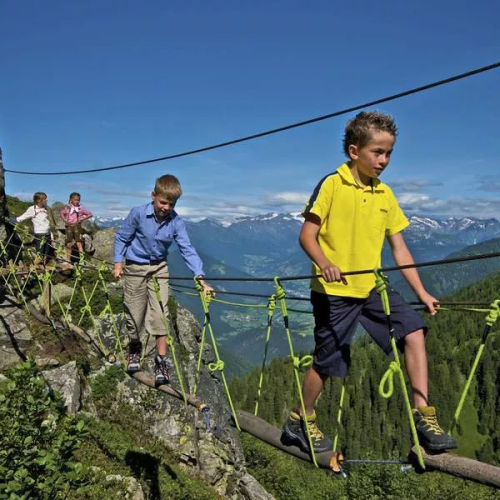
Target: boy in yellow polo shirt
[[347, 218]]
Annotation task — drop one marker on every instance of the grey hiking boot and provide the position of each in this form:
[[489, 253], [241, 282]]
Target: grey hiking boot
[[162, 374], [294, 432], [431, 436], [134, 357]]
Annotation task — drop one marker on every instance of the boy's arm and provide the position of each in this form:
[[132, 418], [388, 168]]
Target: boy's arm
[[190, 255], [402, 256], [309, 242]]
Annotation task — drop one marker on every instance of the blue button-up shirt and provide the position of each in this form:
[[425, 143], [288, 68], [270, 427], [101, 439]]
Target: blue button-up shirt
[[143, 238]]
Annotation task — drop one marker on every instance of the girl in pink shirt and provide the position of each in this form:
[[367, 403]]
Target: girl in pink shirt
[[73, 215]]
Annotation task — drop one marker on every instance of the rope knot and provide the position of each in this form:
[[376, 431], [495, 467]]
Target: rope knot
[[217, 365], [303, 362], [386, 386], [271, 304], [381, 281], [494, 313], [197, 284], [46, 276], [86, 308]]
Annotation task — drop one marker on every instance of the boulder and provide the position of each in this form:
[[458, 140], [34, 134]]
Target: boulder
[[66, 380]]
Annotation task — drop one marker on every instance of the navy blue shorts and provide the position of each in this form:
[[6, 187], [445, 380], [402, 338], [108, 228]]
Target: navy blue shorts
[[336, 319]]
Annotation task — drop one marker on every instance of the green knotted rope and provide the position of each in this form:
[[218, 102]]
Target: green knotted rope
[[339, 415], [490, 320], [271, 306], [381, 284], [218, 362], [168, 337], [109, 310], [208, 299], [281, 296]]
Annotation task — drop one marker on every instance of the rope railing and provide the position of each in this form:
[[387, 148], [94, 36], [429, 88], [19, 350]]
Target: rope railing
[[16, 281]]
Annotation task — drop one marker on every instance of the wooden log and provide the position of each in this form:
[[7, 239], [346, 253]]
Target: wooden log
[[269, 434], [141, 377], [463, 467]]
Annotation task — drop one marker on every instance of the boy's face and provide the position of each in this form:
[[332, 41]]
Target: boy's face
[[372, 158], [162, 207], [75, 201], [43, 202]]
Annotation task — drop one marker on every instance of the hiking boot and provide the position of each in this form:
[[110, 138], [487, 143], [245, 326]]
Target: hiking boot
[[162, 375], [430, 434], [294, 432], [134, 357]]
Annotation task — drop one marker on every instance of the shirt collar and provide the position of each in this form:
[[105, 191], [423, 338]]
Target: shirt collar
[[345, 172], [150, 212]]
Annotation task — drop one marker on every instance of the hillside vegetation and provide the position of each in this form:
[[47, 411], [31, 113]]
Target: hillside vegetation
[[373, 427]]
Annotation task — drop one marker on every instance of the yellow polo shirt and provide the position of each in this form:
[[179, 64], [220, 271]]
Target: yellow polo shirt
[[354, 223]]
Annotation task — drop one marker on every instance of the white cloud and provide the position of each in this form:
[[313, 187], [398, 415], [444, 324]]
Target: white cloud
[[413, 185], [423, 204], [290, 197]]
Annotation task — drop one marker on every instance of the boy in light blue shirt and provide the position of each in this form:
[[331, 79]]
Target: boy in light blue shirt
[[143, 242]]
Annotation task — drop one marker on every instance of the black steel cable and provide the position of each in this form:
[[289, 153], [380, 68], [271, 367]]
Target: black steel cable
[[274, 130]]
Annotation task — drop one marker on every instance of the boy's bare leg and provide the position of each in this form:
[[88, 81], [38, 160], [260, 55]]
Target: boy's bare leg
[[79, 245], [311, 389], [69, 247], [416, 367], [161, 346]]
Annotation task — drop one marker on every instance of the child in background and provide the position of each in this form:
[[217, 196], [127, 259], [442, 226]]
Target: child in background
[[73, 215], [42, 220]]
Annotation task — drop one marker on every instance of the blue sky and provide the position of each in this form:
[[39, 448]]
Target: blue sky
[[90, 84]]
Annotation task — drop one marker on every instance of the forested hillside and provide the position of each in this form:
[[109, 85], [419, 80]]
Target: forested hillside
[[376, 427]]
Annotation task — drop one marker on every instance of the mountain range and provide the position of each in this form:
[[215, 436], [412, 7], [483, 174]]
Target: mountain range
[[267, 246]]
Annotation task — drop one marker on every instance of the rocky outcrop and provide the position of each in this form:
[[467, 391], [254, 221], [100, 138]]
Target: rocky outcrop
[[66, 380], [103, 242], [209, 447]]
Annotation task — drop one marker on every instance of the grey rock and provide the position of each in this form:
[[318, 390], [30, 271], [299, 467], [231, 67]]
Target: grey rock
[[251, 489], [134, 489], [66, 380], [8, 357], [103, 242]]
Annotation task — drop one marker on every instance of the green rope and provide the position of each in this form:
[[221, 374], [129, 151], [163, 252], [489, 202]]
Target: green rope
[[109, 310], [281, 296], [202, 346], [271, 306], [490, 320], [339, 415], [381, 284], [168, 337], [219, 364]]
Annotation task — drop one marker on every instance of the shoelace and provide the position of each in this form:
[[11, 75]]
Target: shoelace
[[162, 367], [432, 424], [314, 430]]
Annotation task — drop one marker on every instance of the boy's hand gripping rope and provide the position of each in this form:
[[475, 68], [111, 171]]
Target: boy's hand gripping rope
[[297, 362], [381, 284], [490, 320], [219, 364]]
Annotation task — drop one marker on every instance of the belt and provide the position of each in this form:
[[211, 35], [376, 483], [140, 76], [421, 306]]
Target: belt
[[129, 262]]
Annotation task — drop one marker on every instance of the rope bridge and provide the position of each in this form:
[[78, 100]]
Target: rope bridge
[[25, 280]]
